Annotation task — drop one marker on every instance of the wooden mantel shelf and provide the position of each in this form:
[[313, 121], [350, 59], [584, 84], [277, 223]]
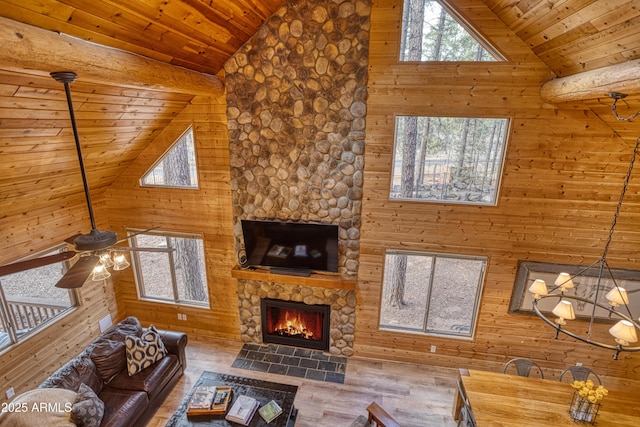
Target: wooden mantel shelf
[[317, 280]]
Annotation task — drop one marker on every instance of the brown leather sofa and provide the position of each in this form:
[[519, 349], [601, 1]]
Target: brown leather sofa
[[128, 400]]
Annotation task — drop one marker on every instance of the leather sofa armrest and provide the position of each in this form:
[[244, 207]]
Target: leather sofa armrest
[[175, 343]]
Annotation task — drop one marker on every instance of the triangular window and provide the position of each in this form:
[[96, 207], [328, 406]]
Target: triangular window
[[177, 167], [431, 31]]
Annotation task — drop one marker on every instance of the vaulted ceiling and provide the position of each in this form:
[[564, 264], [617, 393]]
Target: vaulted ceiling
[[593, 47]]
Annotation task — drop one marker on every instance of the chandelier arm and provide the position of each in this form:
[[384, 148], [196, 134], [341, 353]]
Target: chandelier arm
[[626, 306], [618, 348], [573, 276]]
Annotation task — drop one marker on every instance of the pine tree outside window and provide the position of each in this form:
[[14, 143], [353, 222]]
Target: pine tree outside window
[[432, 31], [448, 159], [440, 293], [176, 273], [177, 167]]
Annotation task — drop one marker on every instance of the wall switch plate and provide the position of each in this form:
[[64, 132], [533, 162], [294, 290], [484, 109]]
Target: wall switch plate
[[433, 349], [10, 393], [105, 323]]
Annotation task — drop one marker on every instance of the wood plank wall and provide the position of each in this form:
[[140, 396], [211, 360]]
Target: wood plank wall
[[563, 174], [205, 211]]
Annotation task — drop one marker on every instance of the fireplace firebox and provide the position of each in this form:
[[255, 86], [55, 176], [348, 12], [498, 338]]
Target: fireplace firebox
[[295, 323]]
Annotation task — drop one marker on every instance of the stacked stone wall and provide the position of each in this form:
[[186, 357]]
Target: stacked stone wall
[[296, 105]]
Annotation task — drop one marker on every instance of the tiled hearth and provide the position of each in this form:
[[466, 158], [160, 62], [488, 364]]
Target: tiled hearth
[[293, 362]]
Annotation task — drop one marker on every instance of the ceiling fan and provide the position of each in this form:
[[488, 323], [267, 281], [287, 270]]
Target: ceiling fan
[[93, 250]]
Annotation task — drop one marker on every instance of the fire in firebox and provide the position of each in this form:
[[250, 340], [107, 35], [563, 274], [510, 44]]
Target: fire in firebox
[[292, 326]]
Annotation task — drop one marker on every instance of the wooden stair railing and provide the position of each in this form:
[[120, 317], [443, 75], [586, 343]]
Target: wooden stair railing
[[378, 417]]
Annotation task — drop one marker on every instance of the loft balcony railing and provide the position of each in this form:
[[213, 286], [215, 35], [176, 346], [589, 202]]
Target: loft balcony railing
[[29, 313]]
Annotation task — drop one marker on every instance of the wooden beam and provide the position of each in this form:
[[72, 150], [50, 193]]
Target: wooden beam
[[593, 84], [30, 49]]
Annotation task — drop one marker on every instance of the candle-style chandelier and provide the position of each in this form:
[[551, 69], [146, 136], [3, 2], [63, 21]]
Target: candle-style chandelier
[[616, 299]]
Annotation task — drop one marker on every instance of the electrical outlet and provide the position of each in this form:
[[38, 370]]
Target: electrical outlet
[[184, 317], [578, 363], [179, 316], [433, 349], [10, 393]]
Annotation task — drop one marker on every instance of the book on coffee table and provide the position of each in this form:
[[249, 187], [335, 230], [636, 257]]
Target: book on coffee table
[[201, 399], [209, 400], [242, 410], [270, 411]]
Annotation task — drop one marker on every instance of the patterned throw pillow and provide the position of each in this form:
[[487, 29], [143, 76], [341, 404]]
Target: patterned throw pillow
[[144, 351], [88, 409]]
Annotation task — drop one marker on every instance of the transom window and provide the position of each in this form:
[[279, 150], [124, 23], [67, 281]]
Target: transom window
[[435, 294], [432, 31], [29, 299], [173, 270], [451, 159]]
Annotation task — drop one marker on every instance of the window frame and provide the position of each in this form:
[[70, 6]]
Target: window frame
[[6, 318], [138, 275], [425, 331], [498, 184]]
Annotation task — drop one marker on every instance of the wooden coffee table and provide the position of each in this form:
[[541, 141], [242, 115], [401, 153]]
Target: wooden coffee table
[[263, 391]]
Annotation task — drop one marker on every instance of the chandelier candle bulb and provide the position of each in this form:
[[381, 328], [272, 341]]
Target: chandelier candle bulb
[[120, 262], [564, 282], [624, 332], [564, 310], [617, 296], [538, 288]]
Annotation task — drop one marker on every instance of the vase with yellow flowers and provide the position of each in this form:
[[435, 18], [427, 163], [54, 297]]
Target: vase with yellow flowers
[[586, 401]]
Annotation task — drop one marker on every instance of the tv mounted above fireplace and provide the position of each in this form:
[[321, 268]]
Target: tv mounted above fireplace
[[295, 248]]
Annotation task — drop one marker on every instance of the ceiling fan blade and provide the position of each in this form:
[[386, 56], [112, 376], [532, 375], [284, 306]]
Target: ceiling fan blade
[[135, 234], [71, 239], [28, 264], [78, 274], [130, 249]]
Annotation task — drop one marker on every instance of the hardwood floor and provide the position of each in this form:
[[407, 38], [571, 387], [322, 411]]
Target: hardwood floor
[[415, 395]]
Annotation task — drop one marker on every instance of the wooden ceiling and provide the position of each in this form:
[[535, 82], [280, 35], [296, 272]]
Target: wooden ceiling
[[119, 113]]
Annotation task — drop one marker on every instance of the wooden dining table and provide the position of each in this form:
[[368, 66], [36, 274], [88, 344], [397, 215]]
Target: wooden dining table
[[498, 399]]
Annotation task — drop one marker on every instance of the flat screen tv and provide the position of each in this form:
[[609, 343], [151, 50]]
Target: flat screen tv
[[291, 247]]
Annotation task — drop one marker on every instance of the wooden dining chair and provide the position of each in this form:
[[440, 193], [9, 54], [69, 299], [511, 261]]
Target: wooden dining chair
[[523, 367], [580, 373], [466, 414]]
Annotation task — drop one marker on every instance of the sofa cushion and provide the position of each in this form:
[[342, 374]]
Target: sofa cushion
[[88, 408], [122, 407], [151, 380], [109, 357], [56, 413], [144, 351], [78, 370], [129, 326]]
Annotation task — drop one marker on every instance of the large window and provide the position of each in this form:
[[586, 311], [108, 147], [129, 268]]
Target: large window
[[30, 300], [173, 269], [429, 293], [452, 159], [431, 31]]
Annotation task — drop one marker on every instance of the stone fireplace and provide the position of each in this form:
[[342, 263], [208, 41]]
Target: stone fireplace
[[296, 109], [341, 303]]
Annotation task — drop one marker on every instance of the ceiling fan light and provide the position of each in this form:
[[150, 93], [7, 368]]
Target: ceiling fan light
[[120, 262], [105, 259], [100, 273]]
